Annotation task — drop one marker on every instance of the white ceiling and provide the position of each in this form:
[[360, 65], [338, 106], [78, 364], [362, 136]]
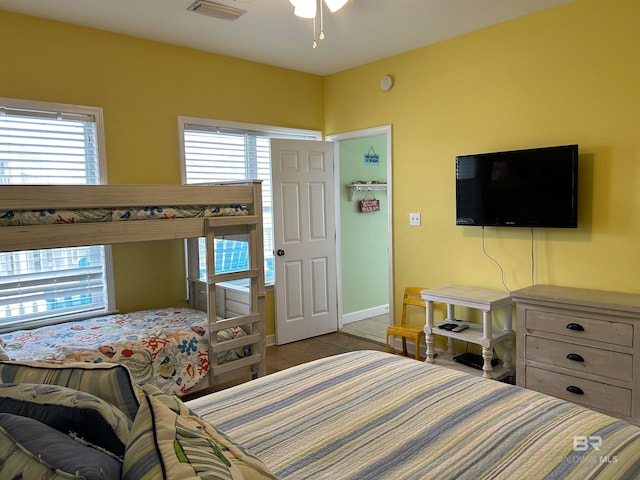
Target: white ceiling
[[365, 31]]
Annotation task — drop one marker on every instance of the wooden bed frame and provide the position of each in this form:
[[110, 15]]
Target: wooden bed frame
[[249, 194]]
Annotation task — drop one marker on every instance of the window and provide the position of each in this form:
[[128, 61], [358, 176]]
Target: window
[[216, 151], [44, 143]]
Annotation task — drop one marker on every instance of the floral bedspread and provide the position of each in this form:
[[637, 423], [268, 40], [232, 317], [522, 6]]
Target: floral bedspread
[[166, 347]]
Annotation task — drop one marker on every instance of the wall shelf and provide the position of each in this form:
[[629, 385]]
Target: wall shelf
[[366, 187]]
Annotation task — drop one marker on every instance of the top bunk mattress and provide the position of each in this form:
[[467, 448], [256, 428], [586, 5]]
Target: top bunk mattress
[[91, 215], [53, 216]]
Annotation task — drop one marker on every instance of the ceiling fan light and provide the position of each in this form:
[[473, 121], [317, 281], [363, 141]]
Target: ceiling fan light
[[335, 5], [304, 8]]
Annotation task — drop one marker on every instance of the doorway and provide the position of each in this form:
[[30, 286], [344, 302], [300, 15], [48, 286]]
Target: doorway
[[364, 239]]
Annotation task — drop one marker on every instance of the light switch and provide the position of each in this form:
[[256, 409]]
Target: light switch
[[414, 219]]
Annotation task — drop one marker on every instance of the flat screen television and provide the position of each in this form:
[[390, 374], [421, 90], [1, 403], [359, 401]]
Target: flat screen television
[[537, 187]]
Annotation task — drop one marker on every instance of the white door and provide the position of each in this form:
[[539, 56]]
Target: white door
[[304, 239]]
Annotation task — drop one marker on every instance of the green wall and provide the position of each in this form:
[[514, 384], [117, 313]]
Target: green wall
[[364, 236]]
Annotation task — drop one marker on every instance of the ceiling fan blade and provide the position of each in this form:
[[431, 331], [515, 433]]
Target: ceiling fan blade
[[335, 5], [304, 8]]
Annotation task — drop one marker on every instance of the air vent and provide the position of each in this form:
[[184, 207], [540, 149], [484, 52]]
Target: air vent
[[217, 10]]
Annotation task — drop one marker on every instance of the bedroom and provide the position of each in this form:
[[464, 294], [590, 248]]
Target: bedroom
[[569, 74], [539, 80]]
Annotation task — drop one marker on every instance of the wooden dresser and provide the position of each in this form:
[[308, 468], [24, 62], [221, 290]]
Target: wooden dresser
[[580, 345]]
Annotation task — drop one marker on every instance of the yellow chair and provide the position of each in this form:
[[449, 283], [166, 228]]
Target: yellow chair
[[405, 330]]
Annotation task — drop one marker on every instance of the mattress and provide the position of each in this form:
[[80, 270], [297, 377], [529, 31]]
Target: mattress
[[167, 347], [62, 216], [372, 415]]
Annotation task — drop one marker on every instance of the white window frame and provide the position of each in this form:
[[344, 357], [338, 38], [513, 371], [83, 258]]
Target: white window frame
[[97, 114], [266, 130]]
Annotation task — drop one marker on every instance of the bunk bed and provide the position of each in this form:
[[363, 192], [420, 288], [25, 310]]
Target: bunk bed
[[227, 347]]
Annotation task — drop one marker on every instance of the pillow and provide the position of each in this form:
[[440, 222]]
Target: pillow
[[109, 381], [242, 458], [30, 449], [170, 446], [169, 441], [172, 402], [69, 411]]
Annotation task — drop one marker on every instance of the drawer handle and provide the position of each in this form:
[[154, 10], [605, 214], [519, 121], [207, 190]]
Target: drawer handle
[[574, 389], [575, 326], [575, 357]]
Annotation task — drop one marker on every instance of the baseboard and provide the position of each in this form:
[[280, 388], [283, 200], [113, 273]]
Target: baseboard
[[363, 314], [271, 340]]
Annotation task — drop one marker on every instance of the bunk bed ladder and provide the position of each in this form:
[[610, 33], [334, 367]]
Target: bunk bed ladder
[[255, 362]]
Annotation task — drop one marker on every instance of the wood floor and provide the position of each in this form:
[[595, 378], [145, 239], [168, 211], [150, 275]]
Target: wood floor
[[280, 357]]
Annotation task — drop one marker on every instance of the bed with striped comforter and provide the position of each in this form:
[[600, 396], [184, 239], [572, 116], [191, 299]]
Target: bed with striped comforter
[[372, 415]]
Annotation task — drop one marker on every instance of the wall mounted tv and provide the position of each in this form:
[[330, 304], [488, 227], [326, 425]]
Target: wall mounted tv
[[522, 188]]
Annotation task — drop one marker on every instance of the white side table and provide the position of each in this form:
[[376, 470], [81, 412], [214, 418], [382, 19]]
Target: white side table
[[484, 335]]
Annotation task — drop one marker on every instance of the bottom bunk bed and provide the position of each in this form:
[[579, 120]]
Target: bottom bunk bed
[[167, 347]]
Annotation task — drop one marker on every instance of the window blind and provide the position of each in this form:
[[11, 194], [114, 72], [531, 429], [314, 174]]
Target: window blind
[[216, 153], [47, 147], [39, 146], [50, 284]]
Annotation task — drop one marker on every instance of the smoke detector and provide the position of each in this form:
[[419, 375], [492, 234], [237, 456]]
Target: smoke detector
[[218, 10]]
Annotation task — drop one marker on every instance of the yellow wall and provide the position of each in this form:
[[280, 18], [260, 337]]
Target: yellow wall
[[566, 75], [143, 87]]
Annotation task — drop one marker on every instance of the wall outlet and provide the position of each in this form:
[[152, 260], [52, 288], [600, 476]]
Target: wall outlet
[[414, 219]]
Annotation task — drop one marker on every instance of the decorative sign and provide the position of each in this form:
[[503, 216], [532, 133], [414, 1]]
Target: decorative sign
[[372, 205], [371, 157]]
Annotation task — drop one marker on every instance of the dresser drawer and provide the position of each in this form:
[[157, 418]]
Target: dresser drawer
[[614, 400], [616, 333], [582, 359]]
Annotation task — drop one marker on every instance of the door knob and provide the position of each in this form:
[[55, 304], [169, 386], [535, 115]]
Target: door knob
[[280, 252]]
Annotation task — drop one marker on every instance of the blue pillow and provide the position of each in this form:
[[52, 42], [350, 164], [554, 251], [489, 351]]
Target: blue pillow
[[69, 411], [31, 449]]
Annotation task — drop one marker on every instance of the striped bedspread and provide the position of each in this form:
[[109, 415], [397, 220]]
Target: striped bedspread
[[371, 415]]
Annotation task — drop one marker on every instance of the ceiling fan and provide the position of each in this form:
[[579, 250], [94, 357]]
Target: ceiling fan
[[309, 9]]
